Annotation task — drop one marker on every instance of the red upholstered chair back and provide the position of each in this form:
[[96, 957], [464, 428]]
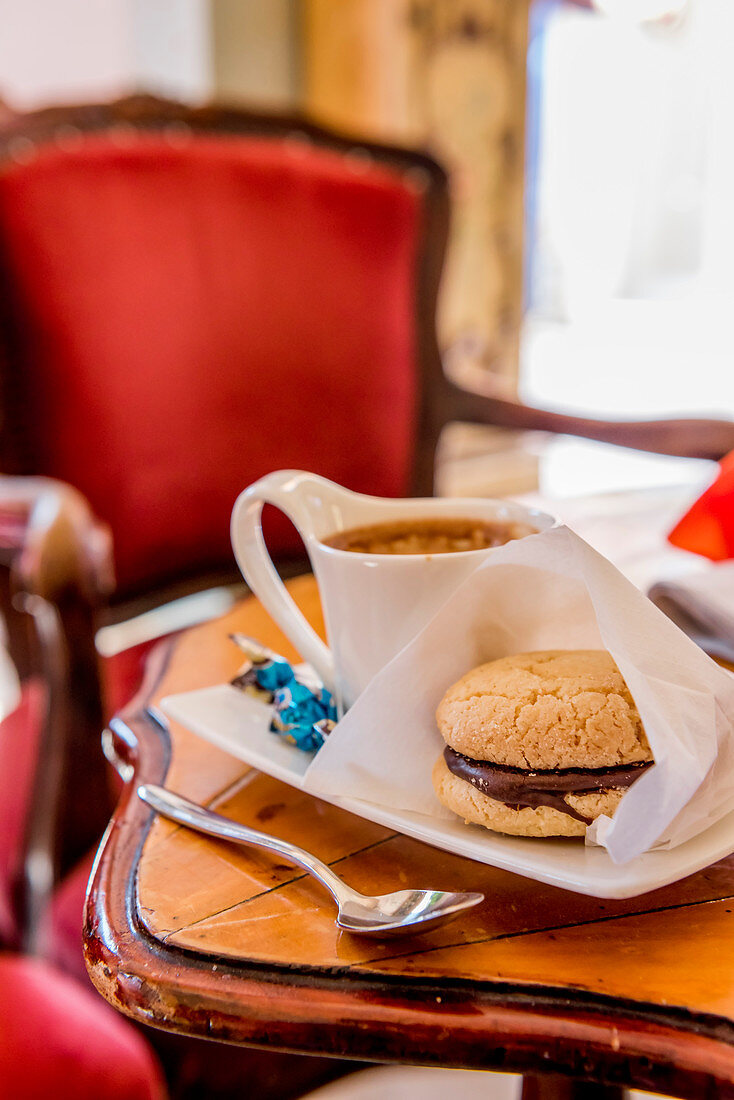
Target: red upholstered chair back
[[194, 298]]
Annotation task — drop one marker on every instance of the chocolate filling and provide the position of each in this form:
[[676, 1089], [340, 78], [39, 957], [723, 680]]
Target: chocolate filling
[[518, 787]]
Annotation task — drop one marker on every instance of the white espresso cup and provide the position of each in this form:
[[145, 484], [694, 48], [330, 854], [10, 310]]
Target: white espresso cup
[[373, 604]]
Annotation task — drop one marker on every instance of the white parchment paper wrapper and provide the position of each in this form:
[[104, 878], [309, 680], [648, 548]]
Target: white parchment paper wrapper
[[548, 591]]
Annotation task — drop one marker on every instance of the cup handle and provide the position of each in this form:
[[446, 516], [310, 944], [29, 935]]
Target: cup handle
[[260, 573]]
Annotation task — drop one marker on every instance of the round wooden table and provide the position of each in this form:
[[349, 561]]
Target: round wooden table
[[198, 936]]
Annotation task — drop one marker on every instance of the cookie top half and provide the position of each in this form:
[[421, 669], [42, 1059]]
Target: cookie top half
[[565, 708]]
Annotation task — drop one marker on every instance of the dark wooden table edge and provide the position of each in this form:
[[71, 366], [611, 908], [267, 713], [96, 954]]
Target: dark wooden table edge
[[494, 1026]]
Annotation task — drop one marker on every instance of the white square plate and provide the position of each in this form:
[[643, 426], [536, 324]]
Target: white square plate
[[237, 723]]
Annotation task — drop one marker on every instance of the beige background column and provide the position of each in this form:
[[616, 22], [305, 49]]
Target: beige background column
[[256, 52], [449, 75]]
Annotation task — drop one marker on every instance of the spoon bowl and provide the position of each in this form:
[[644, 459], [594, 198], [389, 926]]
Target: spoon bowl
[[403, 911]]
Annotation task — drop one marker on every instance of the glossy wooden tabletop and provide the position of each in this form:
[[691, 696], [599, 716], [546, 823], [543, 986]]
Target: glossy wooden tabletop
[[202, 936]]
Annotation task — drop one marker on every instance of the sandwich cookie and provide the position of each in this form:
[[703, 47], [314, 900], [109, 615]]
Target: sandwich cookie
[[540, 744]]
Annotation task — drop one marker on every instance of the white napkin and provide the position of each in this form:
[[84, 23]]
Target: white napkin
[[548, 591], [702, 604]]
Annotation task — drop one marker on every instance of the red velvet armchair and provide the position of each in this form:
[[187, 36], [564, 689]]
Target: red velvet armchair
[[190, 298], [56, 1037]]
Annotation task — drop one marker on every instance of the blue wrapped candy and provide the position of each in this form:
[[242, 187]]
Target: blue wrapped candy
[[274, 674], [301, 714]]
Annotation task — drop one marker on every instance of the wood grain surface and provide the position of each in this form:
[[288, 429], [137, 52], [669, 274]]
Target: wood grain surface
[[642, 969]]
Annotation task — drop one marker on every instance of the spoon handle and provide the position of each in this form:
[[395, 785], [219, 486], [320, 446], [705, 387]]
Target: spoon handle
[[179, 809]]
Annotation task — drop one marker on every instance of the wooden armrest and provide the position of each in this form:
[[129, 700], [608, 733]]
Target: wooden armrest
[[60, 565], [53, 540], [690, 438]]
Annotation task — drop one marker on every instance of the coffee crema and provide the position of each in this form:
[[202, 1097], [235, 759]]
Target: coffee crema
[[439, 535]]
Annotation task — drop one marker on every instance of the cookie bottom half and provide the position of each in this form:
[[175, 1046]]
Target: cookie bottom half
[[477, 808]]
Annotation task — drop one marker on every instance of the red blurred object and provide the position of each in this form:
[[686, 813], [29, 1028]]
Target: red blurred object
[[62, 1041], [707, 528]]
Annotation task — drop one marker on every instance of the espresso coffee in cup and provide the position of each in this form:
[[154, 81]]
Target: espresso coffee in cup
[[384, 566], [428, 535]]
